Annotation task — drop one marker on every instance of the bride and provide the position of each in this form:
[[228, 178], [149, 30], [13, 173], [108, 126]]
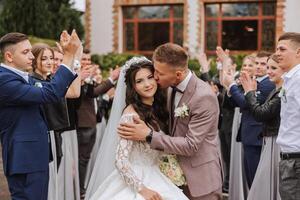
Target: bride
[[136, 175]]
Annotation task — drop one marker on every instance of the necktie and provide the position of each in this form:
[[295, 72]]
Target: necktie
[[174, 90]]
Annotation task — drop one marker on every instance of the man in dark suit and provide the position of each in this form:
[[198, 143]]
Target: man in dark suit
[[23, 130], [86, 116], [250, 129]]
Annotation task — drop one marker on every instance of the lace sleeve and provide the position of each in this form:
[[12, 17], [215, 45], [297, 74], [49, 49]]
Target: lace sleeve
[[122, 160]]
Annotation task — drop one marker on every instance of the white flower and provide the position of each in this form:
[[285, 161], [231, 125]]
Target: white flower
[[282, 93], [38, 84], [182, 111]]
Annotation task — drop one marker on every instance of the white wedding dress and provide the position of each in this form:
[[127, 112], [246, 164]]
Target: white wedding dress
[[136, 166]]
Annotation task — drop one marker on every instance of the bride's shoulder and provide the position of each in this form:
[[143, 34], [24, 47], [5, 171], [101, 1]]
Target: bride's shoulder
[[129, 110], [128, 114]]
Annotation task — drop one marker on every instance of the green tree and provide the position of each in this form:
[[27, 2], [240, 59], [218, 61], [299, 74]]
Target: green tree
[[42, 18], [64, 17], [26, 16]]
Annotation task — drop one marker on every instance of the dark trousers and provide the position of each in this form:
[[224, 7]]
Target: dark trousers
[[58, 146], [225, 140], [289, 179], [86, 140], [31, 186], [251, 160]]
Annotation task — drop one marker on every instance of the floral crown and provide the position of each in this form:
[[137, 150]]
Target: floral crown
[[134, 61]]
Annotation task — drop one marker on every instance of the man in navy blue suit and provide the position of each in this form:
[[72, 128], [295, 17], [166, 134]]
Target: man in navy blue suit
[[250, 129], [23, 130]]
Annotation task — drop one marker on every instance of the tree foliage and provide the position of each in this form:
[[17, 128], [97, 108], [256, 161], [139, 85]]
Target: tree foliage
[[42, 18]]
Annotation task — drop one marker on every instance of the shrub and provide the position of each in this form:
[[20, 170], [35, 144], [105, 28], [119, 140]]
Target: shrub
[[33, 40], [111, 60]]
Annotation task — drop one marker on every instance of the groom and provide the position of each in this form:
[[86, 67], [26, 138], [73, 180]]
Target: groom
[[193, 135]]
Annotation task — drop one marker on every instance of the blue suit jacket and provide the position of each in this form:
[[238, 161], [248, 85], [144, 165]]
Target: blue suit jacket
[[23, 129], [250, 128]]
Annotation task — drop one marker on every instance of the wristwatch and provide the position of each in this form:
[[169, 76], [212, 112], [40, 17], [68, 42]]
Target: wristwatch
[[149, 137]]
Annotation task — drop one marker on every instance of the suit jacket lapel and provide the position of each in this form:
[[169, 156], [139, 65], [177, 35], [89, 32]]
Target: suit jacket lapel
[[187, 95]]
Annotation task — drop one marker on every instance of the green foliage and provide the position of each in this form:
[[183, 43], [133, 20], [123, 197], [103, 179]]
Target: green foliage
[[26, 16], [33, 40], [195, 66], [64, 18], [239, 60], [42, 18], [1, 59], [111, 60]]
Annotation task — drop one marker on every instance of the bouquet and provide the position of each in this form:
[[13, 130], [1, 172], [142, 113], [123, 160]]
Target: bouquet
[[169, 166]]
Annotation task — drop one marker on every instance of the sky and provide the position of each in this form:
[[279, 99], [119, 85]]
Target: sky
[[79, 4]]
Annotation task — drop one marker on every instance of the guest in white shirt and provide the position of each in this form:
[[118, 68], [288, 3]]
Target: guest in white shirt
[[288, 51]]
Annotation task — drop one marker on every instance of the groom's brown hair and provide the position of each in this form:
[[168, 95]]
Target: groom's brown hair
[[172, 54]]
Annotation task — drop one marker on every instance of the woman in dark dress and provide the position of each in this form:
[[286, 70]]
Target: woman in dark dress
[[265, 184], [62, 185]]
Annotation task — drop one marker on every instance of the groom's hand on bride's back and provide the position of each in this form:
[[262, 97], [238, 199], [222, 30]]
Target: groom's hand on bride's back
[[134, 131]]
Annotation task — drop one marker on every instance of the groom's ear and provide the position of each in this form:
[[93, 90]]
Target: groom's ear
[[179, 74]]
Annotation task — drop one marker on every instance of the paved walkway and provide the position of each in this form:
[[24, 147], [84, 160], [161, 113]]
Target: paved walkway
[[4, 193]]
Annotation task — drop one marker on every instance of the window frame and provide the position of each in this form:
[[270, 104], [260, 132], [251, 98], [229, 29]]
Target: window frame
[[219, 18], [136, 20]]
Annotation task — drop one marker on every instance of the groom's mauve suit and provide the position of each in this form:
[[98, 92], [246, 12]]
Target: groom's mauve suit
[[24, 132], [195, 141]]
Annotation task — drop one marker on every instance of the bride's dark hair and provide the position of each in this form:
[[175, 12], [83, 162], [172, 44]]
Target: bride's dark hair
[[156, 115]]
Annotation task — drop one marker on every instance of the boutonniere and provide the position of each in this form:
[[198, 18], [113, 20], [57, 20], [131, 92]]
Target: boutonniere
[[282, 95], [38, 84], [182, 111], [282, 92]]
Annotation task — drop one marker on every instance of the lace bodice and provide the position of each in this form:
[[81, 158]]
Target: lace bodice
[[131, 153]]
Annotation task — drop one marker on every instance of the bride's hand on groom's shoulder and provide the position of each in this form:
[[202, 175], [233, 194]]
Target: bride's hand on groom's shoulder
[[149, 194], [134, 131]]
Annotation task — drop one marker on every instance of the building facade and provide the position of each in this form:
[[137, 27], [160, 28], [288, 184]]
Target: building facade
[[138, 26]]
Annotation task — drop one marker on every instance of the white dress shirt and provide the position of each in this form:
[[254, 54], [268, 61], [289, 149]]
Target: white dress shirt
[[181, 86], [289, 132]]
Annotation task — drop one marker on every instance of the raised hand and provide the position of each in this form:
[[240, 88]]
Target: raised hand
[[85, 73], [249, 83], [223, 56], [114, 74], [227, 79], [204, 62], [79, 52], [70, 45], [59, 46]]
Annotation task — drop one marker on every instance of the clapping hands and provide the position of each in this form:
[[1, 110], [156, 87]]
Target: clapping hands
[[204, 62], [249, 83], [114, 74], [71, 46], [228, 69]]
